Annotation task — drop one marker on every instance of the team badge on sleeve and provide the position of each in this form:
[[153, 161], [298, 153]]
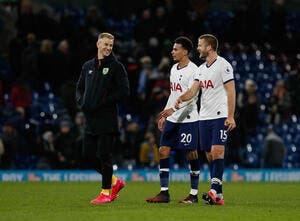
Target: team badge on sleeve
[[227, 70], [105, 71]]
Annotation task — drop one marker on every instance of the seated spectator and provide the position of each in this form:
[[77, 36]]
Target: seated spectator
[[65, 143], [149, 155], [49, 157], [274, 150], [79, 125]]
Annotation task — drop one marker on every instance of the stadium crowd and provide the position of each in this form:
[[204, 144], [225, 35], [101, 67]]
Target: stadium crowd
[[43, 48]]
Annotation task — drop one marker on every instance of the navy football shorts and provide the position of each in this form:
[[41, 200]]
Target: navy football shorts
[[182, 136], [212, 132]]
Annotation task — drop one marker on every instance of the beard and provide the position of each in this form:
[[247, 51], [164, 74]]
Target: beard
[[203, 54]]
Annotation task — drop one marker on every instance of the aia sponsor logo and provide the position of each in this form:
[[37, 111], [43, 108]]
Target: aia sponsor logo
[[175, 86], [206, 84]]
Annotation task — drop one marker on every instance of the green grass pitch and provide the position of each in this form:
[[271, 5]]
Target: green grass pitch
[[70, 201]]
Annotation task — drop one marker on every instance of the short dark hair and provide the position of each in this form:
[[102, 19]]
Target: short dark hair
[[186, 43], [210, 40]]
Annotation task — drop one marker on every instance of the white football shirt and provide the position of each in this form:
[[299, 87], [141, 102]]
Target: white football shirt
[[181, 79], [212, 78]]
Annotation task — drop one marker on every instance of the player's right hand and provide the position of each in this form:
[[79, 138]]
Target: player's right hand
[[230, 123], [161, 123], [177, 103]]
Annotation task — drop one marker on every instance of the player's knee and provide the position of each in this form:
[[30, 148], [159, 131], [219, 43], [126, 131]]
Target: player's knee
[[217, 154], [164, 152], [193, 155], [209, 157]]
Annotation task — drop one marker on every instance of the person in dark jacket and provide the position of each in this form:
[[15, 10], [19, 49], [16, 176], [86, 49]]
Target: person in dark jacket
[[274, 150], [103, 83]]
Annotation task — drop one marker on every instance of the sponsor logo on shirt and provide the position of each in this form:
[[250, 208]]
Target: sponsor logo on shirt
[[206, 84], [175, 86]]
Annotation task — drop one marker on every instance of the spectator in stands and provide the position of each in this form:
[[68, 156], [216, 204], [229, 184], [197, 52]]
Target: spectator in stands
[[159, 94], [279, 104], [145, 29], [10, 141], [20, 97], [49, 157], [152, 125], [79, 125], [146, 64], [147, 78], [248, 103], [274, 150], [29, 57], [27, 19], [65, 143], [149, 155], [63, 62], [160, 88], [160, 23], [132, 140], [67, 92], [46, 63]]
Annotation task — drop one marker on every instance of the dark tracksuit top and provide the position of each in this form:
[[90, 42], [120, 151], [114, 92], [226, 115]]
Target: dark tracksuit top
[[99, 90]]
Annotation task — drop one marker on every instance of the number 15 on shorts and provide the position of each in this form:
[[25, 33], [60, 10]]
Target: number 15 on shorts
[[223, 135]]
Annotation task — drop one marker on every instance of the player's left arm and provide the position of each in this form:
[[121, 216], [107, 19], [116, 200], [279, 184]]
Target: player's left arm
[[230, 90], [169, 109]]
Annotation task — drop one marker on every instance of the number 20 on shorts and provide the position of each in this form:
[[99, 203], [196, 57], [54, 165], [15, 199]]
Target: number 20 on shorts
[[186, 138]]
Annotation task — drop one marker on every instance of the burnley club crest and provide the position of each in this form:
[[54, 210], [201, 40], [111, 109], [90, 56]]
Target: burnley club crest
[[105, 71]]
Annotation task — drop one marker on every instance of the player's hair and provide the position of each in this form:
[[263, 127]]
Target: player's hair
[[186, 43], [210, 40], [106, 35]]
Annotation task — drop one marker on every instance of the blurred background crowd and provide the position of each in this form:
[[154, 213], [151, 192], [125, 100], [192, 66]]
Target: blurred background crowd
[[43, 47]]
